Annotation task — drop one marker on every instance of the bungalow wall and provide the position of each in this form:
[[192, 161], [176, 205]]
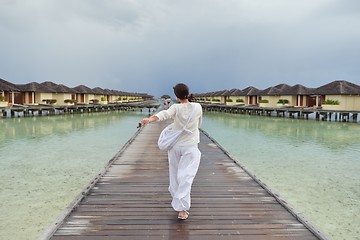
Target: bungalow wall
[[346, 102], [3, 103], [291, 99], [251, 100], [84, 97], [217, 99], [39, 97], [234, 100], [272, 101], [302, 101], [61, 97], [97, 97], [114, 98]]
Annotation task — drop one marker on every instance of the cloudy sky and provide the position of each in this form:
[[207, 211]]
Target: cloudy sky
[[150, 45]]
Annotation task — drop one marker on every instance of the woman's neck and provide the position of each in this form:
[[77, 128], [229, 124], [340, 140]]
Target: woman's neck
[[183, 100]]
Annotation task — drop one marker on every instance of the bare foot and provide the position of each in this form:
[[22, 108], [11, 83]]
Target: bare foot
[[183, 215]]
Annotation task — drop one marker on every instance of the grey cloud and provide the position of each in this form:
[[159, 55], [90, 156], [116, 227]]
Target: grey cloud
[[148, 46]]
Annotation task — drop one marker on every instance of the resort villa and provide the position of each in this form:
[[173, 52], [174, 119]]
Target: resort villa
[[337, 95], [57, 94]]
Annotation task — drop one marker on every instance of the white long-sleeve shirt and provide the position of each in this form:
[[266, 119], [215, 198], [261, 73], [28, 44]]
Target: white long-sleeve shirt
[[180, 113]]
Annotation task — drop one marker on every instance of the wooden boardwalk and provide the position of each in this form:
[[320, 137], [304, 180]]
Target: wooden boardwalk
[[130, 201]]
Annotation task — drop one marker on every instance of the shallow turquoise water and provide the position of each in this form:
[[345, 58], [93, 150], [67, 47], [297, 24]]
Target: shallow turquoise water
[[314, 165], [46, 162]]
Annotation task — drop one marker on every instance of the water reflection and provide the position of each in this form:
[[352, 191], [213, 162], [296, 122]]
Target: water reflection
[[179, 231], [39, 127]]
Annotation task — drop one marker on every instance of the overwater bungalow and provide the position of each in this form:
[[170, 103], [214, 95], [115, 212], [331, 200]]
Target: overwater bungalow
[[236, 97], [218, 97], [99, 95], [297, 96], [7, 92], [271, 97], [251, 95], [61, 94], [84, 94], [339, 95], [33, 93]]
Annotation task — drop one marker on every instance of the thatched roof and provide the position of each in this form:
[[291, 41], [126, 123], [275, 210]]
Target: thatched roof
[[275, 90], [67, 89], [340, 87], [7, 86], [226, 93], [108, 92], [250, 91], [218, 93], [297, 90], [34, 87], [99, 91], [237, 92], [84, 89], [57, 88]]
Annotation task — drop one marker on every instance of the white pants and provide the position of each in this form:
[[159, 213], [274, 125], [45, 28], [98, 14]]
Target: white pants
[[184, 163]]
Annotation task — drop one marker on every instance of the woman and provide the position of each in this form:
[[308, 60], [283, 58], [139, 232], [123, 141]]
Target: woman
[[184, 157]]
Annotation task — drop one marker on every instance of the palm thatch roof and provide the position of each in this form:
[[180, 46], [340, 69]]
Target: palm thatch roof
[[339, 87], [275, 90], [237, 92], [99, 91], [7, 86], [84, 89], [57, 88], [34, 87], [297, 90], [250, 91], [230, 92]]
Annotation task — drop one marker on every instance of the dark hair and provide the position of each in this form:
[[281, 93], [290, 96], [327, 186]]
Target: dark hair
[[182, 91]]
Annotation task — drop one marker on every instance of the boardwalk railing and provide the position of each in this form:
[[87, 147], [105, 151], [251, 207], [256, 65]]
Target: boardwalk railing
[[129, 200]]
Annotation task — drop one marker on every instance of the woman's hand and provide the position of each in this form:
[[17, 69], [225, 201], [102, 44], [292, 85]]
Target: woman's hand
[[145, 121]]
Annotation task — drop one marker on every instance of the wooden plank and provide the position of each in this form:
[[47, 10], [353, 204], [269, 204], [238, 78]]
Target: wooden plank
[[130, 200]]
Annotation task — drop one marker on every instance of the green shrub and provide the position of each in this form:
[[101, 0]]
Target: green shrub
[[239, 100], [49, 101], [331, 102], [283, 101], [2, 98], [103, 98], [95, 100], [69, 101], [263, 101], [229, 100]]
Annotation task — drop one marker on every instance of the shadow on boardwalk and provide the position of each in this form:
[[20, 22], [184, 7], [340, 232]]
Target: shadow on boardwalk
[[130, 201]]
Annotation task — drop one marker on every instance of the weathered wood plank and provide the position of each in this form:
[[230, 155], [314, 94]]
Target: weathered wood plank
[[130, 200]]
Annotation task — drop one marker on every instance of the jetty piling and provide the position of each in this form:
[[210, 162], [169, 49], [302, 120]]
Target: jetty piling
[[290, 112], [17, 110]]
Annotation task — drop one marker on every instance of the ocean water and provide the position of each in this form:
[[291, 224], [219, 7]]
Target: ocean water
[[45, 162], [313, 165]]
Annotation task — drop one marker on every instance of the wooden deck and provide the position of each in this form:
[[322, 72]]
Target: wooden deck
[[130, 201]]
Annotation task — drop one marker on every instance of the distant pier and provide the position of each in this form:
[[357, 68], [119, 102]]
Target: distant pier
[[130, 200], [17, 110], [290, 112]]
